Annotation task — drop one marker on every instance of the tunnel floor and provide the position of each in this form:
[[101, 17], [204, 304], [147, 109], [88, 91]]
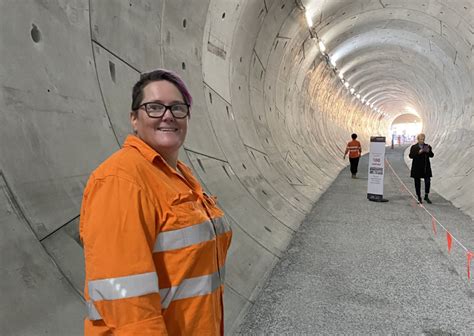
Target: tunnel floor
[[357, 267]]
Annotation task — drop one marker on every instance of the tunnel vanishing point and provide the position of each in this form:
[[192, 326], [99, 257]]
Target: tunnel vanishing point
[[278, 86]]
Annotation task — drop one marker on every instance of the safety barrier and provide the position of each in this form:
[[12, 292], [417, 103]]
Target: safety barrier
[[434, 222]]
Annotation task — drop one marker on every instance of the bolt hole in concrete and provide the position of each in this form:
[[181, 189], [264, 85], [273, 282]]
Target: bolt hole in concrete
[[184, 23], [210, 97], [35, 33], [112, 70], [200, 165], [183, 66], [227, 173], [223, 16]]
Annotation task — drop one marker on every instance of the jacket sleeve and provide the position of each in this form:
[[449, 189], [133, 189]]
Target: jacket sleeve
[[413, 151], [430, 153], [118, 230]]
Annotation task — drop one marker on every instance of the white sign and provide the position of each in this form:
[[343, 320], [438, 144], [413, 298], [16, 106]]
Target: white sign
[[376, 168]]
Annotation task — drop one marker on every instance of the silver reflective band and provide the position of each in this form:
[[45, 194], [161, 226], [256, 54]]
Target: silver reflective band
[[222, 273], [192, 287], [191, 235], [92, 313], [221, 225], [123, 287], [172, 240]]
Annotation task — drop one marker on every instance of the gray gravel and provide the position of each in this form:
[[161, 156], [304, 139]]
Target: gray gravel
[[362, 268]]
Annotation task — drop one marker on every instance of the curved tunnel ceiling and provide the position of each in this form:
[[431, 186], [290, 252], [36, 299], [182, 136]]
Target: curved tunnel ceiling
[[269, 124]]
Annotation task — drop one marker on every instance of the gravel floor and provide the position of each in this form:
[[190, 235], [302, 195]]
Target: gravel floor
[[362, 268]]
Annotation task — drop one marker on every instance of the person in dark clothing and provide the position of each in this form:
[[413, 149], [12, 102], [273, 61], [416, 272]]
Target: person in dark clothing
[[421, 153], [354, 150]]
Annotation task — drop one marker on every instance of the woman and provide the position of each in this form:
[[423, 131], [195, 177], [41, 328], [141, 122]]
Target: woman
[[154, 243], [355, 151], [421, 167]]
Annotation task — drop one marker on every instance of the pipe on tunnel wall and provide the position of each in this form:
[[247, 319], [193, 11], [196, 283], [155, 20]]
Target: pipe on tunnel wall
[[269, 125]]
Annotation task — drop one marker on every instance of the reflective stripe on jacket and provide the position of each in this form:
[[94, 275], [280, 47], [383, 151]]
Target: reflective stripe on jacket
[[155, 247], [354, 149]]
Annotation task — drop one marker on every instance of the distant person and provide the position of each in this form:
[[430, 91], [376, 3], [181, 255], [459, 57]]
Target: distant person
[[155, 244], [421, 153], [355, 150]]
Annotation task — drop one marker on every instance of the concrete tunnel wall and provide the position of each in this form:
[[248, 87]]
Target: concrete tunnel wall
[[267, 132]]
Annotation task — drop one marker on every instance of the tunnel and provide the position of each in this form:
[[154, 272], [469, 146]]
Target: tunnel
[[278, 87]]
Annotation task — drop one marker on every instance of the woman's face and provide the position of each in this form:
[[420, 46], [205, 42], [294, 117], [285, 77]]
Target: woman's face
[[166, 134], [421, 139]]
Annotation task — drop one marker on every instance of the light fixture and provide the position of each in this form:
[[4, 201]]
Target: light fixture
[[333, 62], [352, 90], [322, 47], [309, 20], [346, 84], [341, 76]]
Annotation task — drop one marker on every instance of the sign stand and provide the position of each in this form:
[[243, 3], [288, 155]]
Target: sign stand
[[376, 169]]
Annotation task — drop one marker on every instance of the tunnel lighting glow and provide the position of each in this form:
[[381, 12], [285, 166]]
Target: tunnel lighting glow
[[363, 100], [411, 110], [322, 47], [333, 62], [341, 76], [346, 84], [405, 132], [367, 103], [352, 90], [309, 20], [358, 96]]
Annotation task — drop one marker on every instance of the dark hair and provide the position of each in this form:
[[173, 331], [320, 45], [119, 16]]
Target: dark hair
[[354, 136], [155, 76]]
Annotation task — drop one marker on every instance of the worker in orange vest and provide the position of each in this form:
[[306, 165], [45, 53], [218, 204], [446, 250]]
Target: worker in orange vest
[[355, 150], [155, 244]]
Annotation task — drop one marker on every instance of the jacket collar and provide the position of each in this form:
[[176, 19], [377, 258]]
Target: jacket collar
[[152, 156], [148, 153]]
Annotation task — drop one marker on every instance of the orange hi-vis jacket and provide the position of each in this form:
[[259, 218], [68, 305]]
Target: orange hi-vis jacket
[[155, 248], [354, 149]]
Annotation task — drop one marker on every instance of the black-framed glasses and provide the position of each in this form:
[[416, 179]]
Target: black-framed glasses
[[158, 110]]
